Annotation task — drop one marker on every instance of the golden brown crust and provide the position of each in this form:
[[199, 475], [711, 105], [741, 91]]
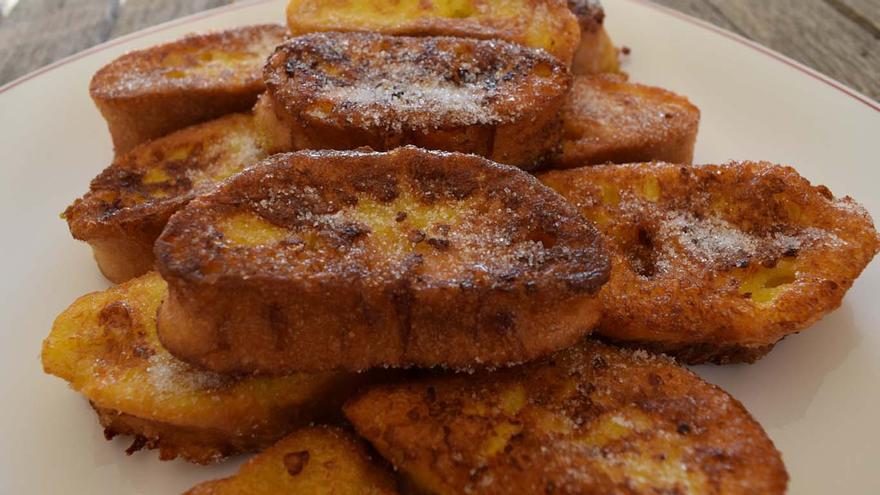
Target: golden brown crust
[[200, 446], [701, 352], [149, 93], [347, 90], [105, 346], [318, 460], [327, 260], [609, 120], [589, 420], [718, 263], [129, 203], [545, 24]]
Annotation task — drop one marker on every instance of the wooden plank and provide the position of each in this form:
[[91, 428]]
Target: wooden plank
[[814, 33], [39, 32], [139, 14], [703, 10], [865, 13], [809, 31]]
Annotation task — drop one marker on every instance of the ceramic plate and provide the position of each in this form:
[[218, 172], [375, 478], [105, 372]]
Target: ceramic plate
[[817, 394]]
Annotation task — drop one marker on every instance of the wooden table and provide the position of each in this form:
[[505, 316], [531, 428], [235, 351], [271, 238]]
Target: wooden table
[[840, 38]]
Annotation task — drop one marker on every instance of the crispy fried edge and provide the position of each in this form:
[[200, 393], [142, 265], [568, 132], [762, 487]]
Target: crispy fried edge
[[205, 445], [138, 116], [382, 401], [122, 244], [526, 139], [197, 340], [567, 39], [673, 141], [731, 352]]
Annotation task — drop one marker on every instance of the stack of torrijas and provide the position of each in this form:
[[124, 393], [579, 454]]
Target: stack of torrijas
[[374, 214]]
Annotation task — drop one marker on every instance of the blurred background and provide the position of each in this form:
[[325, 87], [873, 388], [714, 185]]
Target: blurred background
[[840, 38]]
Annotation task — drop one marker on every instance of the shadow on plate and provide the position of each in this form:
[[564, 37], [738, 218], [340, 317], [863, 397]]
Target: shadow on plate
[[780, 388]]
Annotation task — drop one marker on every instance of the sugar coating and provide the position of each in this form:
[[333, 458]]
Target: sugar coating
[[718, 244], [454, 240], [169, 375], [491, 229], [409, 89], [323, 252], [717, 263], [686, 232], [592, 419], [201, 61], [153, 180], [402, 83], [607, 119]]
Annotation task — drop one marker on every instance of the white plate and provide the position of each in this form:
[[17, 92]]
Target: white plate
[[817, 394]]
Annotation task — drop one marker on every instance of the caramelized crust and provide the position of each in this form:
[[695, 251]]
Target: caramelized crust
[[128, 204], [546, 24], [317, 460], [149, 93], [595, 53], [328, 260], [105, 346], [718, 263], [346, 90], [590, 420], [609, 120], [194, 444]]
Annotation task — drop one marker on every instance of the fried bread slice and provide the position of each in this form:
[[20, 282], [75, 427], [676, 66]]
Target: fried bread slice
[[105, 346], [149, 93], [347, 90], [595, 53], [128, 204], [718, 263], [541, 24], [318, 460], [609, 120], [591, 419], [329, 260]]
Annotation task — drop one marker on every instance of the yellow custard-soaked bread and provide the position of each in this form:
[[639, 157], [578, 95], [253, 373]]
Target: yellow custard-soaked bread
[[341, 259], [592, 419], [546, 24], [146, 94], [105, 346], [128, 203], [317, 460], [344, 91], [718, 262]]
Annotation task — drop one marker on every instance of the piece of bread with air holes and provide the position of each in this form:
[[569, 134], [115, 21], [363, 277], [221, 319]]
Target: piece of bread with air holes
[[128, 204], [318, 460], [348, 90], [541, 24], [718, 262], [591, 419], [146, 94], [351, 260], [105, 346], [609, 120]]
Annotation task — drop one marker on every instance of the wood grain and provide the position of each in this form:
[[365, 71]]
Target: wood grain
[[814, 32], [862, 12], [39, 32], [139, 14], [840, 38]]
